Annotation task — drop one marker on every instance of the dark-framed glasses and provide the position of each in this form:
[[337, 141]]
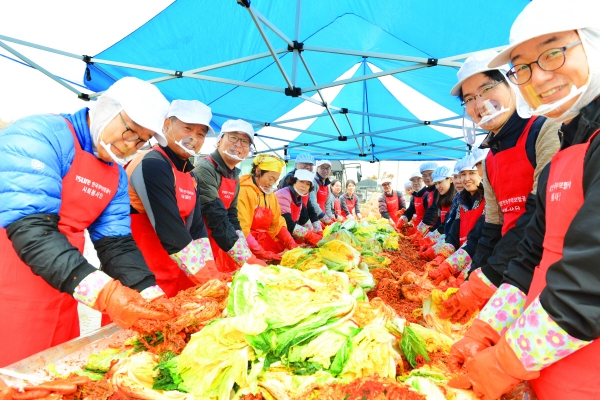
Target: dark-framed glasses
[[130, 135], [236, 139], [549, 60], [482, 93]]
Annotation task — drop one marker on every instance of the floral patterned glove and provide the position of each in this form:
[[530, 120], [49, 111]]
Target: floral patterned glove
[[240, 252]]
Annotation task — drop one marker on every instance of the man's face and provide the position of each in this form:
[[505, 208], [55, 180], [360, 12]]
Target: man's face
[[306, 166], [115, 134], [192, 136], [387, 187], [324, 170], [236, 144], [417, 183], [546, 87], [427, 177], [482, 88]]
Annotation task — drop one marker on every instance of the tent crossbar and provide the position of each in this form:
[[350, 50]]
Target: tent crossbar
[[297, 144], [287, 121], [296, 38], [384, 56], [236, 61], [253, 13], [311, 100], [361, 149], [465, 55], [312, 79], [272, 27], [39, 68], [40, 47], [364, 77], [236, 82]]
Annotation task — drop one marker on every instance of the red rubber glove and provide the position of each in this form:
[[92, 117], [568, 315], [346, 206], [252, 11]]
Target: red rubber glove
[[286, 238], [437, 260], [256, 261], [208, 272], [479, 337], [312, 238], [400, 223], [425, 243], [125, 306], [428, 254], [471, 297], [495, 370], [259, 251], [441, 273], [400, 212], [416, 239]]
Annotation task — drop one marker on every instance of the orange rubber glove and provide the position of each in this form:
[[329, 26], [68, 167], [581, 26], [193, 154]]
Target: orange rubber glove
[[425, 244], [286, 238], [441, 273], [479, 337], [312, 238], [400, 212], [439, 259], [495, 370], [125, 306], [400, 223], [428, 254], [208, 272], [416, 239], [471, 297]]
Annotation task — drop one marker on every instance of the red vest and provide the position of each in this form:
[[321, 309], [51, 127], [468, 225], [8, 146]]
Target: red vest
[[575, 376], [322, 195], [443, 213], [350, 204], [223, 261], [420, 205], [33, 315], [468, 219], [168, 275], [337, 207], [393, 205], [511, 175]]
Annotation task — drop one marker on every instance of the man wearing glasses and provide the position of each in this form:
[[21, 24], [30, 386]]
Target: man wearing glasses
[[219, 189], [60, 176], [320, 199], [550, 335]]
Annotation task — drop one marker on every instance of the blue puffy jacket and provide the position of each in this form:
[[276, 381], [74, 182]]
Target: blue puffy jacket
[[37, 152]]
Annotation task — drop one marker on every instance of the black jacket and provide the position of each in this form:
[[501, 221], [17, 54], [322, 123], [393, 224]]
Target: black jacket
[[572, 294], [431, 212], [467, 201]]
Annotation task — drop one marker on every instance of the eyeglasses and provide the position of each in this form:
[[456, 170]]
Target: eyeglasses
[[131, 136], [550, 60], [325, 168], [234, 139], [427, 175], [484, 92], [385, 184]]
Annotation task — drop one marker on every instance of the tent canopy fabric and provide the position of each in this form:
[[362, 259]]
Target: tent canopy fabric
[[363, 80]]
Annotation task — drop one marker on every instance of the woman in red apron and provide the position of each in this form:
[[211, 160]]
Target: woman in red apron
[[349, 201], [415, 200], [391, 203], [336, 191], [519, 150], [59, 188], [293, 203], [218, 181], [166, 217], [424, 213], [550, 337], [259, 212]]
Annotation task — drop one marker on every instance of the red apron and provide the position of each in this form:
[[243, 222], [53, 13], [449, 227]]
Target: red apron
[[261, 222], [443, 213], [393, 205], [351, 205], [511, 175], [223, 260], [337, 207], [169, 277], [33, 315], [575, 376], [468, 219], [322, 195], [419, 209]]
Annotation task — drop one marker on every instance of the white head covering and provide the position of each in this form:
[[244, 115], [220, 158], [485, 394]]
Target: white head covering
[[140, 100], [191, 112], [475, 64], [385, 180], [428, 166], [407, 185], [479, 154], [416, 174], [540, 18], [237, 125], [304, 175], [441, 173], [468, 163], [457, 167]]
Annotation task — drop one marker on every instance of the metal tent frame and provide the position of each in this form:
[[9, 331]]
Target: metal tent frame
[[363, 138]]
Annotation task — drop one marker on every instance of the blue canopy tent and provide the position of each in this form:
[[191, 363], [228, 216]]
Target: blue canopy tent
[[366, 80]]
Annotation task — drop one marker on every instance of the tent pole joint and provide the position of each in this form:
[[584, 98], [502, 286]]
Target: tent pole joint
[[432, 61], [84, 96], [293, 92], [342, 138], [343, 110], [297, 46], [426, 122], [244, 3], [362, 155], [178, 74]]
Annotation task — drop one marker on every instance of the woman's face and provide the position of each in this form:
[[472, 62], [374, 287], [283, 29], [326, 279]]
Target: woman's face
[[302, 187], [546, 87], [337, 188], [114, 135], [443, 186], [481, 88], [191, 136], [457, 182], [470, 180], [350, 188], [266, 179]]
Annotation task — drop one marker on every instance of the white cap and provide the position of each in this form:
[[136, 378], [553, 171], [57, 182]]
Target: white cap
[[237, 125], [428, 166], [540, 18], [142, 102], [479, 154], [468, 163], [441, 173], [457, 167], [385, 180], [323, 162], [191, 112], [475, 64], [416, 174], [306, 158], [407, 184], [304, 175]]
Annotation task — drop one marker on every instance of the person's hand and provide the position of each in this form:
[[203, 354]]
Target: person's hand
[[495, 370], [437, 260], [259, 251], [416, 239], [317, 226], [312, 239], [391, 221], [326, 220], [401, 221], [441, 273], [479, 337], [425, 243], [400, 212], [286, 238], [359, 216], [125, 306], [428, 254], [470, 298]]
